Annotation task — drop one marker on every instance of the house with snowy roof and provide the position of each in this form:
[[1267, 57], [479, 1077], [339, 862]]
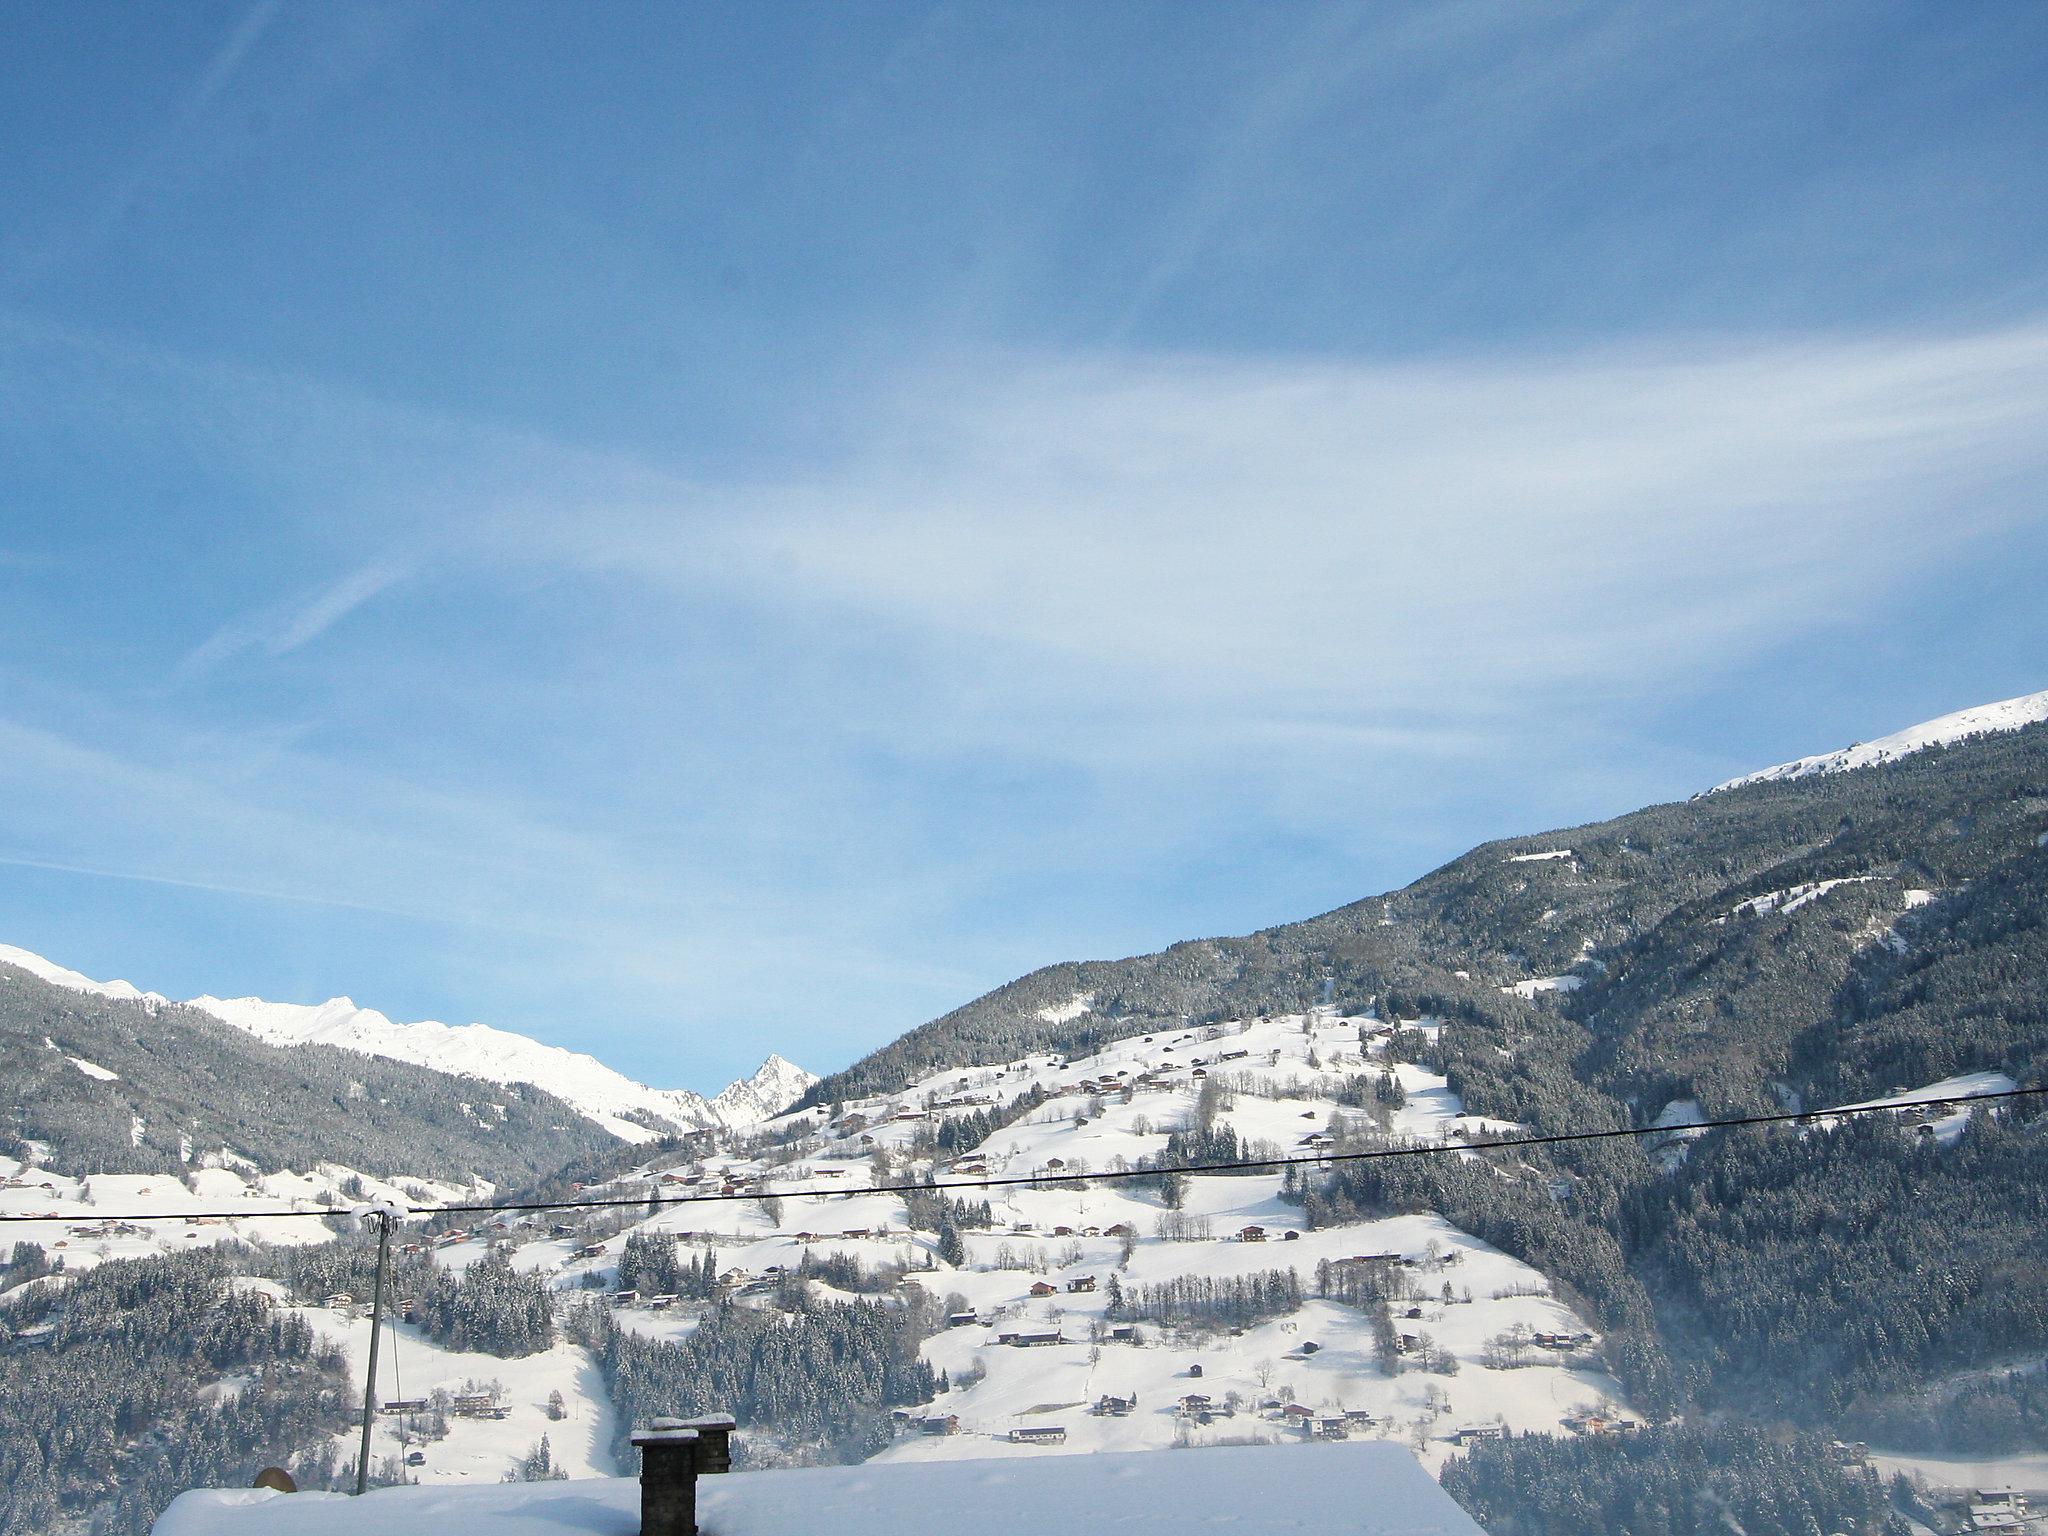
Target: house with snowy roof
[[1356, 1488]]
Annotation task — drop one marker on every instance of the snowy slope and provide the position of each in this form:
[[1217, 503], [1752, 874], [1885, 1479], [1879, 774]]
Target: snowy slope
[[1361, 1490], [474, 1050], [628, 1109], [1984, 719], [1459, 1296], [57, 976]]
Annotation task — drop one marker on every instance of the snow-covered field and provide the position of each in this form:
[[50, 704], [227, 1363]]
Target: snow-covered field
[[411, 1366], [1947, 1124], [2027, 1472], [1468, 1315], [82, 1236]]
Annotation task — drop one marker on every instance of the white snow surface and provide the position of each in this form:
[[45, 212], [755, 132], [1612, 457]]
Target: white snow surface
[[1982, 720], [475, 1450], [75, 1213], [1947, 1121], [1070, 1010], [1538, 858], [94, 1070], [59, 976], [1353, 1489], [1536, 984], [1794, 897], [595, 1090]]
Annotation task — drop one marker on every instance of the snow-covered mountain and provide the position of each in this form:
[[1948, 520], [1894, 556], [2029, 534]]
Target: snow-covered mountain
[[777, 1084], [628, 1109], [1980, 720]]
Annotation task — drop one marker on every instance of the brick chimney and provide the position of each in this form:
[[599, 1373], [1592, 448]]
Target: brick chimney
[[714, 1441], [672, 1453]]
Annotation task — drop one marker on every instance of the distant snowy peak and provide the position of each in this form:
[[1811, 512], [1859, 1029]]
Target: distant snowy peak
[[610, 1098], [58, 976], [777, 1085], [1983, 720], [630, 1110]]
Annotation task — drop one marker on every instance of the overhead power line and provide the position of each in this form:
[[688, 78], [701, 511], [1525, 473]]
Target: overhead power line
[[1043, 1177]]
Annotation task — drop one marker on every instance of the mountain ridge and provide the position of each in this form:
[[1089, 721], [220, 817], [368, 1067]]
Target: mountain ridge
[[1978, 720], [629, 1110], [1531, 914]]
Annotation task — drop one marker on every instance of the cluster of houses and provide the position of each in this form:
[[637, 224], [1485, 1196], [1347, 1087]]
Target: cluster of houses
[[949, 1424], [1025, 1229], [122, 1228], [1078, 1285], [1309, 1423], [464, 1405], [854, 1121], [1999, 1512]]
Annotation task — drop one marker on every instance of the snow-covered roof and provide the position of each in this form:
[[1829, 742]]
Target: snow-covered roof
[[1366, 1488]]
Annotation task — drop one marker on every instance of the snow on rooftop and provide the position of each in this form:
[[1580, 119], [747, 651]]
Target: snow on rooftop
[[1355, 1489], [1984, 719]]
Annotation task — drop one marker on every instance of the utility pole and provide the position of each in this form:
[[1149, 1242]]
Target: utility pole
[[376, 1329]]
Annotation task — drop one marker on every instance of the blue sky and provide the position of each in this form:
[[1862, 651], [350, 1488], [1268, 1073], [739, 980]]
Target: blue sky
[[694, 530]]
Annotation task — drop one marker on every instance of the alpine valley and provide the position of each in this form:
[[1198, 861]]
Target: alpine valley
[[1791, 1328]]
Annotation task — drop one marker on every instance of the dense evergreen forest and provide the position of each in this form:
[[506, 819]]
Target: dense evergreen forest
[[815, 1373], [1692, 1481], [117, 1411]]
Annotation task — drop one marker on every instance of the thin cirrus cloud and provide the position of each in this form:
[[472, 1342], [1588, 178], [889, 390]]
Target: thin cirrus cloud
[[1242, 542], [277, 629]]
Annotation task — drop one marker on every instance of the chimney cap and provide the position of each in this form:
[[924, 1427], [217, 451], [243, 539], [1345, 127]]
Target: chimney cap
[[666, 1432], [708, 1421]]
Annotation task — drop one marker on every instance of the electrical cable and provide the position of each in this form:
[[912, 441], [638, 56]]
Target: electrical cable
[[1043, 1178]]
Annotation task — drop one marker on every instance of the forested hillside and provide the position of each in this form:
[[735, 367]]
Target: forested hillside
[[147, 1377], [1797, 942], [1784, 944], [1700, 970], [109, 1085]]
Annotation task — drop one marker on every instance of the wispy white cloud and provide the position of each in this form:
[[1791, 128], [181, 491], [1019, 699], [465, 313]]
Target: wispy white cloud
[[212, 887], [282, 627], [1424, 548], [701, 748]]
